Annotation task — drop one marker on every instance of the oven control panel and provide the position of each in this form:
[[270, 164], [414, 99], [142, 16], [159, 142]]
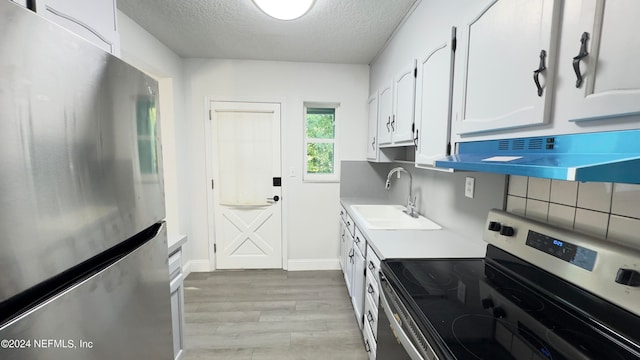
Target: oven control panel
[[563, 250], [602, 267]]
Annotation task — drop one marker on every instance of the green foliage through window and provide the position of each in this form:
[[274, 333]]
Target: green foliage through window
[[320, 158], [320, 135]]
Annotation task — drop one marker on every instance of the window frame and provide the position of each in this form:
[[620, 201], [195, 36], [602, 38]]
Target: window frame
[[315, 177]]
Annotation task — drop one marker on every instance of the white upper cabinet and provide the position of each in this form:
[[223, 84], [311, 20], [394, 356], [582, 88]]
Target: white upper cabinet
[[385, 112], [396, 109], [598, 65], [93, 20], [404, 90], [507, 65], [433, 103], [372, 148]]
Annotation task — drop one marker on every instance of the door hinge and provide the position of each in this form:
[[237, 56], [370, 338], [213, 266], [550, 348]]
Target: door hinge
[[448, 148], [211, 184], [209, 114], [214, 248], [454, 39], [415, 72]]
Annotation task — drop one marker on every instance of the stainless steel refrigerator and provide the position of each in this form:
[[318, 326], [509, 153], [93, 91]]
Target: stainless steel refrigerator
[[83, 248]]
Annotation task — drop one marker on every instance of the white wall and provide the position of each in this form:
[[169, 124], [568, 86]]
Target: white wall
[[141, 49], [309, 209]]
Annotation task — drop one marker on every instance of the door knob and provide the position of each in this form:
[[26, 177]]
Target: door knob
[[275, 198]]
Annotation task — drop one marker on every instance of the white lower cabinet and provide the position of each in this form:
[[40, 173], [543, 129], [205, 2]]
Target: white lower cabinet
[[357, 287], [370, 330], [177, 303], [361, 266]]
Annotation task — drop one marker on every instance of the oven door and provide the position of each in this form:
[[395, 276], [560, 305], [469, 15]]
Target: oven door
[[398, 335]]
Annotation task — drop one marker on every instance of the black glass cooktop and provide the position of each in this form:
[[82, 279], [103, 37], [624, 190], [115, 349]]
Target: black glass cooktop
[[483, 309]]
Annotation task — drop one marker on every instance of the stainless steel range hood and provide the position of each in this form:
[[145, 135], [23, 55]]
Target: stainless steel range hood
[[605, 156]]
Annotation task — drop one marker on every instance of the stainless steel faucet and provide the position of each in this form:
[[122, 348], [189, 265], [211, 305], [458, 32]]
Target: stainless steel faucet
[[411, 203]]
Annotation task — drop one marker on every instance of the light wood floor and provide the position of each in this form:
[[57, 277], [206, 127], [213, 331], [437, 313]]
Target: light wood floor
[[270, 315]]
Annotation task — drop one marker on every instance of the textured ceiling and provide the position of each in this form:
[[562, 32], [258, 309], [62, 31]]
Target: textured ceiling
[[333, 31]]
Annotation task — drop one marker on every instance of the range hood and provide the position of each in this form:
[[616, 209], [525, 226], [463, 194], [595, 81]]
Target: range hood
[[604, 156]]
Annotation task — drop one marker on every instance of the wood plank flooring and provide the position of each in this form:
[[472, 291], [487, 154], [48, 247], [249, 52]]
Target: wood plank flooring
[[270, 315]]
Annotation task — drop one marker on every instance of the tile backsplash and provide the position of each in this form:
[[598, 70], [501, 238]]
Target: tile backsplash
[[609, 211]]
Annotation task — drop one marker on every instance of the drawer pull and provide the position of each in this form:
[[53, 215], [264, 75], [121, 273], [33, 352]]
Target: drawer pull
[[370, 289], [372, 266]]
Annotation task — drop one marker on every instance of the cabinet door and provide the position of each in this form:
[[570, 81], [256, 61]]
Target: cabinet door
[[505, 49], [343, 246], [433, 103], [610, 84], [93, 20], [177, 315], [385, 106], [404, 91], [372, 144], [348, 276], [357, 296]]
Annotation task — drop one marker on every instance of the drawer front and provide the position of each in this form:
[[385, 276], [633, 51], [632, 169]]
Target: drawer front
[[371, 317], [351, 226], [343, 214], [360, 241], [371, 288], [369, 342], [174, 262], [373, 264]]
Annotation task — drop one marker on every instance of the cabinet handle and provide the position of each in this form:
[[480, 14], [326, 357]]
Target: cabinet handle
[[541, 68], [370, 289], [367, 347], [369, 316], [388, 122], [348, 223], [357, 240], [373, 143], [371, 265], [392, 123], [582, 54], [341, 212], [415, 139]]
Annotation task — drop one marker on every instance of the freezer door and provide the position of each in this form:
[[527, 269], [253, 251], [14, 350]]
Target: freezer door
[[122, 312], [79, 150]]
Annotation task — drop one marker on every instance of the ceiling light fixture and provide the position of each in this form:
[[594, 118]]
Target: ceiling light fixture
[[284, 9]]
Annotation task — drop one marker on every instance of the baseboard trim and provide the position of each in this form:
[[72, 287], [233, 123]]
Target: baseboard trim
[[196, 266], [313, 264]]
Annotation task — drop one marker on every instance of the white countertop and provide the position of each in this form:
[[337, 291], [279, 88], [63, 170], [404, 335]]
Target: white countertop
[[390, 244], [175, 242]]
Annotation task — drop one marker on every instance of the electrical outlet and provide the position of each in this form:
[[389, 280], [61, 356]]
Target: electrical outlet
[[469, 187], [292, 171]]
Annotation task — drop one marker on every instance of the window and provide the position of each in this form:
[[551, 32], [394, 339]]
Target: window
[[320, 143]]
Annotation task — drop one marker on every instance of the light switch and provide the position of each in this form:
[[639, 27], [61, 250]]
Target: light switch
[[469, 187]]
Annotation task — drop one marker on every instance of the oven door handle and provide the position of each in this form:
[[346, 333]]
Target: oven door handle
[[397, 328]]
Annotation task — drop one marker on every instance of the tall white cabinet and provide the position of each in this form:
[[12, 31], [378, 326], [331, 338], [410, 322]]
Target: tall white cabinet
[[507, 65], [93, 20]]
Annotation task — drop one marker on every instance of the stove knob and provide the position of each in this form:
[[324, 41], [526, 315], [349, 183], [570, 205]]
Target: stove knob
[[494, 226], [507, 231], [628, 277], [487, 303], [499, 313]]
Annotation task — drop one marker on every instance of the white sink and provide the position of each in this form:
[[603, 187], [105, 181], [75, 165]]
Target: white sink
[[391, 217]]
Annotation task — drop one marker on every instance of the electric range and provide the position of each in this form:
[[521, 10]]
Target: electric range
[[540, 293]]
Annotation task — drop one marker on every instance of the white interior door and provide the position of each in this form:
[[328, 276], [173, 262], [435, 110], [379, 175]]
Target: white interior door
[[247, 208]]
